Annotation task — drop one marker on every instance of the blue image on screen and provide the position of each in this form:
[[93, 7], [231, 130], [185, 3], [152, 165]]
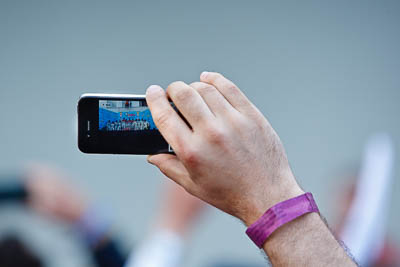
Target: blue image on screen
[[119, 115]]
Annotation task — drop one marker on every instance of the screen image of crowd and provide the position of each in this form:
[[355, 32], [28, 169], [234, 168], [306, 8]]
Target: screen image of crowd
[[126, 119], [127, 125]]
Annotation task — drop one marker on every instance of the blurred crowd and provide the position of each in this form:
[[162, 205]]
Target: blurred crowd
[[46, 190]]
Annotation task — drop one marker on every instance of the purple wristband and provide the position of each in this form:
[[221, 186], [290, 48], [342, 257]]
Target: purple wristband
[[280, 214]]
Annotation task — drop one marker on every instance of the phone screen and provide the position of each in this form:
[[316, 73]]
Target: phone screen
[[125, 115]]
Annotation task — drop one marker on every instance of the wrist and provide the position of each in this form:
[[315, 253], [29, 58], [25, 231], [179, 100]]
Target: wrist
[[260, 204]]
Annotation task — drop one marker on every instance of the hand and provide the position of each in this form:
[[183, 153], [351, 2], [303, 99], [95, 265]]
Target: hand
[[51, 196], [230, 156], [178, 210]]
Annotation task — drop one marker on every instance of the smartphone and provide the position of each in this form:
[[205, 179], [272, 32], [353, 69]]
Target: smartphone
[[118, 124]]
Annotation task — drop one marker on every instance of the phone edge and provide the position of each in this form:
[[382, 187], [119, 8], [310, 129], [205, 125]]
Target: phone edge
[[90, 95]]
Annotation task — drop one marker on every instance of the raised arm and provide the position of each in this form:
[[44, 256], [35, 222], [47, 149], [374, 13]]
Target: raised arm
[[231, 157]]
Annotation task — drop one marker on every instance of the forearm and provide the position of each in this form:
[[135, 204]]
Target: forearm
[[305, 241]]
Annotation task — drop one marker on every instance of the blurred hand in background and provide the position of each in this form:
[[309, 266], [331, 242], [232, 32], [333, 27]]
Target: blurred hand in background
[[178, 210], [174, 221], [50, 194]]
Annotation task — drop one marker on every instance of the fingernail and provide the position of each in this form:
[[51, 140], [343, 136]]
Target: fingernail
[[153, 88], [203, 75]]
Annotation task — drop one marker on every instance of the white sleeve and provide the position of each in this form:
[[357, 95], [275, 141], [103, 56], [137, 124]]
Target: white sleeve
[[364, 228], [162, 249]]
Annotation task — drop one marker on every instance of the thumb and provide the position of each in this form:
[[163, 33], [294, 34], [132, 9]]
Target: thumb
[[171, 167]]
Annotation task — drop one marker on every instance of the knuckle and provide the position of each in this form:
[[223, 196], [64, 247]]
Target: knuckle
[[216, 135], [232, 87], [226, 83], [241, 123], [204, 89], [183, 95], [257, 127], [190, 157], [162, 119], [195, 84]]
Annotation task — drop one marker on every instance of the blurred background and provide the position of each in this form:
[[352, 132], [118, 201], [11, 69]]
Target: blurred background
[[326, 75]]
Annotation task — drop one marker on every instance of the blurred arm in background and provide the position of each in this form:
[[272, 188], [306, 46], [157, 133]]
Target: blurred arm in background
[[51, 195], [364, 225], [46, 191], [177, 215]]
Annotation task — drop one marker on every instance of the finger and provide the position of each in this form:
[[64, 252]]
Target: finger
[[190, 104], [169, 123], [228, 89], [213, 98], [171, 167]]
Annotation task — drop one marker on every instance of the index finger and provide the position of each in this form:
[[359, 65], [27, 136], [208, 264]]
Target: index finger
[[169, 123]]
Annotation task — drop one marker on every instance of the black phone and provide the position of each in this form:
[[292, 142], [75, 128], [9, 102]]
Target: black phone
[[118, 124]]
